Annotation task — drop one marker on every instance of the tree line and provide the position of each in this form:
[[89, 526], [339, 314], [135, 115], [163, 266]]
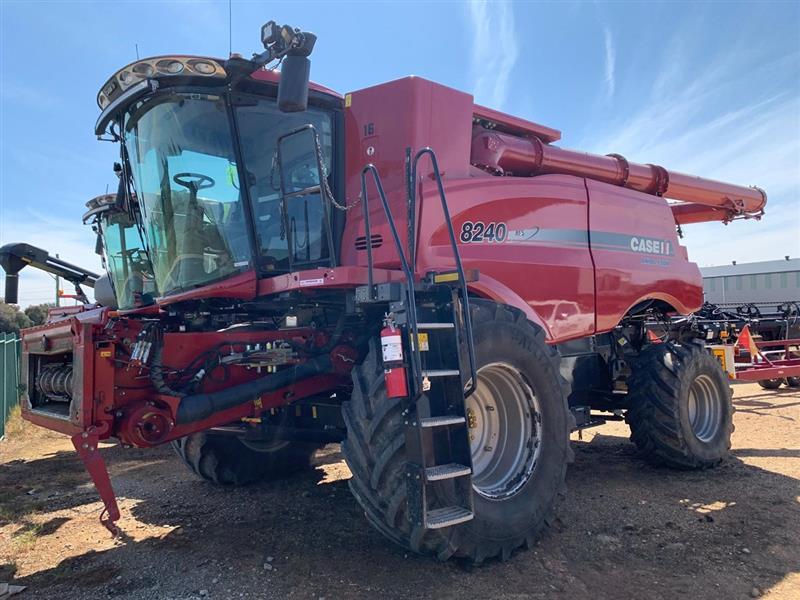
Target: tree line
[[12, 319]]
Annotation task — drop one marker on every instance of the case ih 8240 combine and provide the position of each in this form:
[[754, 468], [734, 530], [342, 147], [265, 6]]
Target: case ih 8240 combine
[[289, 267]]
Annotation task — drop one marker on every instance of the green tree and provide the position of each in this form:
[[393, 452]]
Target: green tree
[[12, 319], [37, 313]]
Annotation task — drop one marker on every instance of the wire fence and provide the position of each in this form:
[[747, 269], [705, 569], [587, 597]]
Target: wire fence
[[9, 376]]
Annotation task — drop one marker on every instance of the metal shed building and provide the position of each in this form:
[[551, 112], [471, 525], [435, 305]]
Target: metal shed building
[[772, 281]]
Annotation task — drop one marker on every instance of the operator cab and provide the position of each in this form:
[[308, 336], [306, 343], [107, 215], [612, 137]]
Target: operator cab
[[123, 254], [219, 179]]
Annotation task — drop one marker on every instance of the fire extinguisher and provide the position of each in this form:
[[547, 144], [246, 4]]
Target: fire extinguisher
[[394, 371]]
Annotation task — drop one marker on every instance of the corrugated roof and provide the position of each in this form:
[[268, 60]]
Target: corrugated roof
[[753, 268]]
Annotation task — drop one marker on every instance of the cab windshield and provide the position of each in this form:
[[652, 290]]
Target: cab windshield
[[185, 171], [187, 181], [126, 261]]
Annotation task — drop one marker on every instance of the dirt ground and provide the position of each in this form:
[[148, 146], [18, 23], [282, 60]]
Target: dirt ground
[[626, 530]]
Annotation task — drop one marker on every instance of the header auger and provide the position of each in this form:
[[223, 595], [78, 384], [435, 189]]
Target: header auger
[[429, 282]]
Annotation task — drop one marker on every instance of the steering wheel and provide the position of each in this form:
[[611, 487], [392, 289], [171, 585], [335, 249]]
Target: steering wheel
[[193, 181]]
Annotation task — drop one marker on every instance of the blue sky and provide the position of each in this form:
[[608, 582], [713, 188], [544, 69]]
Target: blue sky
[[711, 89]]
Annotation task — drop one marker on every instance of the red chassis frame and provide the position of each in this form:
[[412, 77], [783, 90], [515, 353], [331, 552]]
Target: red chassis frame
[[116, 400]]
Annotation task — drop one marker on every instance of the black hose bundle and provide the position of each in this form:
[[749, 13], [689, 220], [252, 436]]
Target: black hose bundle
[[197, 407]]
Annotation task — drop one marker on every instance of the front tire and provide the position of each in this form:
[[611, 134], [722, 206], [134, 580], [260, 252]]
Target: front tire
[[511, 507], [225, 459], [680, 410]]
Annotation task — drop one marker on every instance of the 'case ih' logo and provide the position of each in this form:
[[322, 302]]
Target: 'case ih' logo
[[651, 246]]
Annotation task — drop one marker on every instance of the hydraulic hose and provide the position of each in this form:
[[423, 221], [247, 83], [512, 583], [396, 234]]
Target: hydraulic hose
[[197, 407]]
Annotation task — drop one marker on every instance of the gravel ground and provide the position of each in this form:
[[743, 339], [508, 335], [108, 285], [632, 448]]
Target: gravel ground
[[626, 530]]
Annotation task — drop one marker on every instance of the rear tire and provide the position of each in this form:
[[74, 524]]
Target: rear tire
[[770, 384], [224, 459], [793, 382], [680, 414], [374, 448]]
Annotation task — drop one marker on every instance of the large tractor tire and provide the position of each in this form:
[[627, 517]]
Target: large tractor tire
[[680, 410], [515, 487], [770, 384], [225, 459]]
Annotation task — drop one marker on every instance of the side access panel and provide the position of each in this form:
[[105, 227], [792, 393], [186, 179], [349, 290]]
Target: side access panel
[[637, 254], [528, 239]]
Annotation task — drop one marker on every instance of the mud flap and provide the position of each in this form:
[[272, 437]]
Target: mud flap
[[86, 444]]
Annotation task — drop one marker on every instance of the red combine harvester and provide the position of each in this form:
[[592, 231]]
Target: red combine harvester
[[287, 267]]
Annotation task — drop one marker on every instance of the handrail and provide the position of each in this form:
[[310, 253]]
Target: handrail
[[412, 304], [456, 255]]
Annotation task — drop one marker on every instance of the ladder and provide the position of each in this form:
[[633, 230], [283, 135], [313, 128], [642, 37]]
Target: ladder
[[433, 317]]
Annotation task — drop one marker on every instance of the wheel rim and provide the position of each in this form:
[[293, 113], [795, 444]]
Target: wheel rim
[[705, 408], [265, 446], [505, 431]]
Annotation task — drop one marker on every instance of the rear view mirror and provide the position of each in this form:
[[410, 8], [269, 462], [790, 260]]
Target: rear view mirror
[[293, 84]]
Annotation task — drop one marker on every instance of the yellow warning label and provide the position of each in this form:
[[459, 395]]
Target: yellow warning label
[[105, 353], [719, 354], [445, 277], [423, 342], [348, 100]]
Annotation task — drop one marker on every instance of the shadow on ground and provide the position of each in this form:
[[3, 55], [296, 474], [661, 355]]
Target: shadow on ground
[[626, 530]]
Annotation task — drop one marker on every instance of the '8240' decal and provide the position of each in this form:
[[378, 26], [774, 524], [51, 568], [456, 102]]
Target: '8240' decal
[[475, 232]]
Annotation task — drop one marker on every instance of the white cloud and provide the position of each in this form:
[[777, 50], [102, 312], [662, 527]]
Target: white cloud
[[610, 62], [755, 140], [494, 51]]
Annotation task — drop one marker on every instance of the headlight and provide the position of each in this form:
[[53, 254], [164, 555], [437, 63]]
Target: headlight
[[202, 66], [143, 69], [169, 67]]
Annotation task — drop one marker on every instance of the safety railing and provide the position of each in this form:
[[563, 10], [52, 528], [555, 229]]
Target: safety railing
[[408, 265], [9, 376]]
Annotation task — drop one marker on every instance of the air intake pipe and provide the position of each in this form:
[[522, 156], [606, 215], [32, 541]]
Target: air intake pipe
[[507, 154]]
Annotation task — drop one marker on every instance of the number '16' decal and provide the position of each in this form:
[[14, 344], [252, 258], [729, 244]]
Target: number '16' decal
[[475, 232]]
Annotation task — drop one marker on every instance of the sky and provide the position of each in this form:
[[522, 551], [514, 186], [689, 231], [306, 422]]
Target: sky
[[711, 89]]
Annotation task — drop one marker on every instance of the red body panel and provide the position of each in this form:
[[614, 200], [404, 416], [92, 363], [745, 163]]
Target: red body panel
[[544, 260], [624, 274]]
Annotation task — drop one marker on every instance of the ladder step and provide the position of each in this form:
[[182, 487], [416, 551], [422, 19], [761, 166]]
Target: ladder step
[[445, 517], [435, 326], [448, 471], [441, 373], [442, 421]]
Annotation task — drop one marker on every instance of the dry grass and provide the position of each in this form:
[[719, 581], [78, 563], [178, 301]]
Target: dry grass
[[16, 425], [18, 428]]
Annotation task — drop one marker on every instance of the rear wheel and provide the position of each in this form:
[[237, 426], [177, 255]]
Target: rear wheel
[[680, 414], [793, 382], [519, 430], [226, 459], [770, 384]]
